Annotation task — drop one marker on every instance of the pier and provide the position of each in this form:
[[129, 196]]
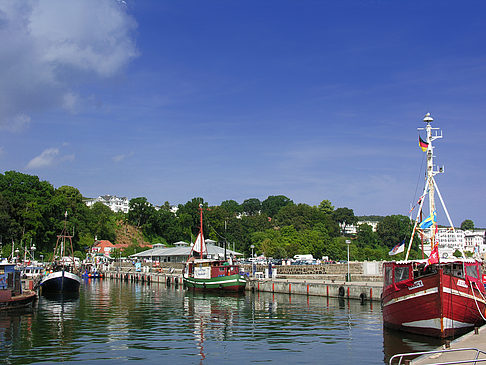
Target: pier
[[330, 280], [465, 349]]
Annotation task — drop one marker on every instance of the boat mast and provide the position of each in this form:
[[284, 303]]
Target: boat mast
[[431, 172], [201, 227], [429, 185]]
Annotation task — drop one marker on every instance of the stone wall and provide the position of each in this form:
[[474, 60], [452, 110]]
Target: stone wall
[[356, 268]]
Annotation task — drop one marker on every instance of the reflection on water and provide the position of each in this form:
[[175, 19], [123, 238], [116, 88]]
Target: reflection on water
[[114, 321]]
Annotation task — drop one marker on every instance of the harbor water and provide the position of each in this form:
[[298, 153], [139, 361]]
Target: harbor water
[[112, 322]]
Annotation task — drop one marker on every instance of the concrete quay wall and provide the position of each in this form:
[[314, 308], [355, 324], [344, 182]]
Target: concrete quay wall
[[321, 280], [363, 291]]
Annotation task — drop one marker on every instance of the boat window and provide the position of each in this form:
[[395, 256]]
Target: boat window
[[401, 273], [447, 269], [388, 275], [457, 270], [472, 271]]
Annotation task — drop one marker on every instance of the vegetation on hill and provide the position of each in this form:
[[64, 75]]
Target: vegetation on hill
[[32, 213]]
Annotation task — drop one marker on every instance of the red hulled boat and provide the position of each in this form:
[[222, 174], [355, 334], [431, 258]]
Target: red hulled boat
[[435, 296]]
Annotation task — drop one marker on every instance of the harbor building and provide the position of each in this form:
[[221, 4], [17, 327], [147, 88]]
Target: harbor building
[[181, 251]]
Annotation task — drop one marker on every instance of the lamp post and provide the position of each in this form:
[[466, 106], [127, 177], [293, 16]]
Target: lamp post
[[33, 248], [16, 254], [252, 247], [347, 276], [42, 258]]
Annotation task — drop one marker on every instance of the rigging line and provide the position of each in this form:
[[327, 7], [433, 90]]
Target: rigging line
[[417, 184], [475, 301], [209, 224]]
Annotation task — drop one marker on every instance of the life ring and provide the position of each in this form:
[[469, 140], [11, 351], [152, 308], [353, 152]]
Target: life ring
[[362, 298]]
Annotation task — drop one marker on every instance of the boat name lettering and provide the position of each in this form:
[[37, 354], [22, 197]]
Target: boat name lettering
[[416, 284], [462, 283]]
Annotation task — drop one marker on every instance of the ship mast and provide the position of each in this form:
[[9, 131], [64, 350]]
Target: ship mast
[[430, 171]]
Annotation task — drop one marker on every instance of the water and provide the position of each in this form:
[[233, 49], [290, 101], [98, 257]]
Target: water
[[112, 322]]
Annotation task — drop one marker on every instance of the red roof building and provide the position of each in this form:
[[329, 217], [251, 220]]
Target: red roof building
[[105, 247]]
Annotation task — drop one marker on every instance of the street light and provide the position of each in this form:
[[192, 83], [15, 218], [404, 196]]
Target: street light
[[347, 276], [33, 248], [252, 247]]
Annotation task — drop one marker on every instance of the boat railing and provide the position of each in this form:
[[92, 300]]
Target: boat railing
[[406, 358]]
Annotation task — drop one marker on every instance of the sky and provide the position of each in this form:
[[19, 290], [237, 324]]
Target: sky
[[314, 100]]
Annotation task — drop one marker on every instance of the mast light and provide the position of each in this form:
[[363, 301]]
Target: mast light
[[428, 118]]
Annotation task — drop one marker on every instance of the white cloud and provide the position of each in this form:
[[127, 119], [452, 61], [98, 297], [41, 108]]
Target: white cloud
[[48, 43], [45, 159], [121, 157], [48, 157]]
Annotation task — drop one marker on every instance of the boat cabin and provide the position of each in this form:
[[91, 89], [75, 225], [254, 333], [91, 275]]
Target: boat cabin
[[32, 271], [404, 273], [10, 281], [207, 269]]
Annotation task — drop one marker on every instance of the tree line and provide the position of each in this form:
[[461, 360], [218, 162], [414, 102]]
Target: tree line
[[32, 213]]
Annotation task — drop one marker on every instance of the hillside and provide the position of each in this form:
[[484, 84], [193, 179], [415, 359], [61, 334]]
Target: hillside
[[128, 234]]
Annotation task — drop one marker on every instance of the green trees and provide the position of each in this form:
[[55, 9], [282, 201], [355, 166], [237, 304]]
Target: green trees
[[467, 225], [394, 229], [251, 206], [326, 207], [32, 211], [272, 205], [345, 217]]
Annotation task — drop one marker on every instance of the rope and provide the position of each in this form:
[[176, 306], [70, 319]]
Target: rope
[[475, 301], [417, 184]]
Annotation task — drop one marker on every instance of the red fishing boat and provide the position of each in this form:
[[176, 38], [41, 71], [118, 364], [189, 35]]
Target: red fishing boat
[[435, 296]]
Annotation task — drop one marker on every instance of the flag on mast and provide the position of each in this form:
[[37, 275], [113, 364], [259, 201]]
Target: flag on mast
[[427, 222], [397, 249], [423, 145], [434, 255]]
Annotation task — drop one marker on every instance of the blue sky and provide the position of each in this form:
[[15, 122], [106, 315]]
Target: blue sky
[[240, 99]]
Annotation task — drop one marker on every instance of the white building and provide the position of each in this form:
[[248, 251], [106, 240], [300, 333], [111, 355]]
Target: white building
[[473, 239], [115, 203], [353, 229], [450, 241]]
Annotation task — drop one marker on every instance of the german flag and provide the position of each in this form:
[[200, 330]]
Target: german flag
[[423, 145]]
